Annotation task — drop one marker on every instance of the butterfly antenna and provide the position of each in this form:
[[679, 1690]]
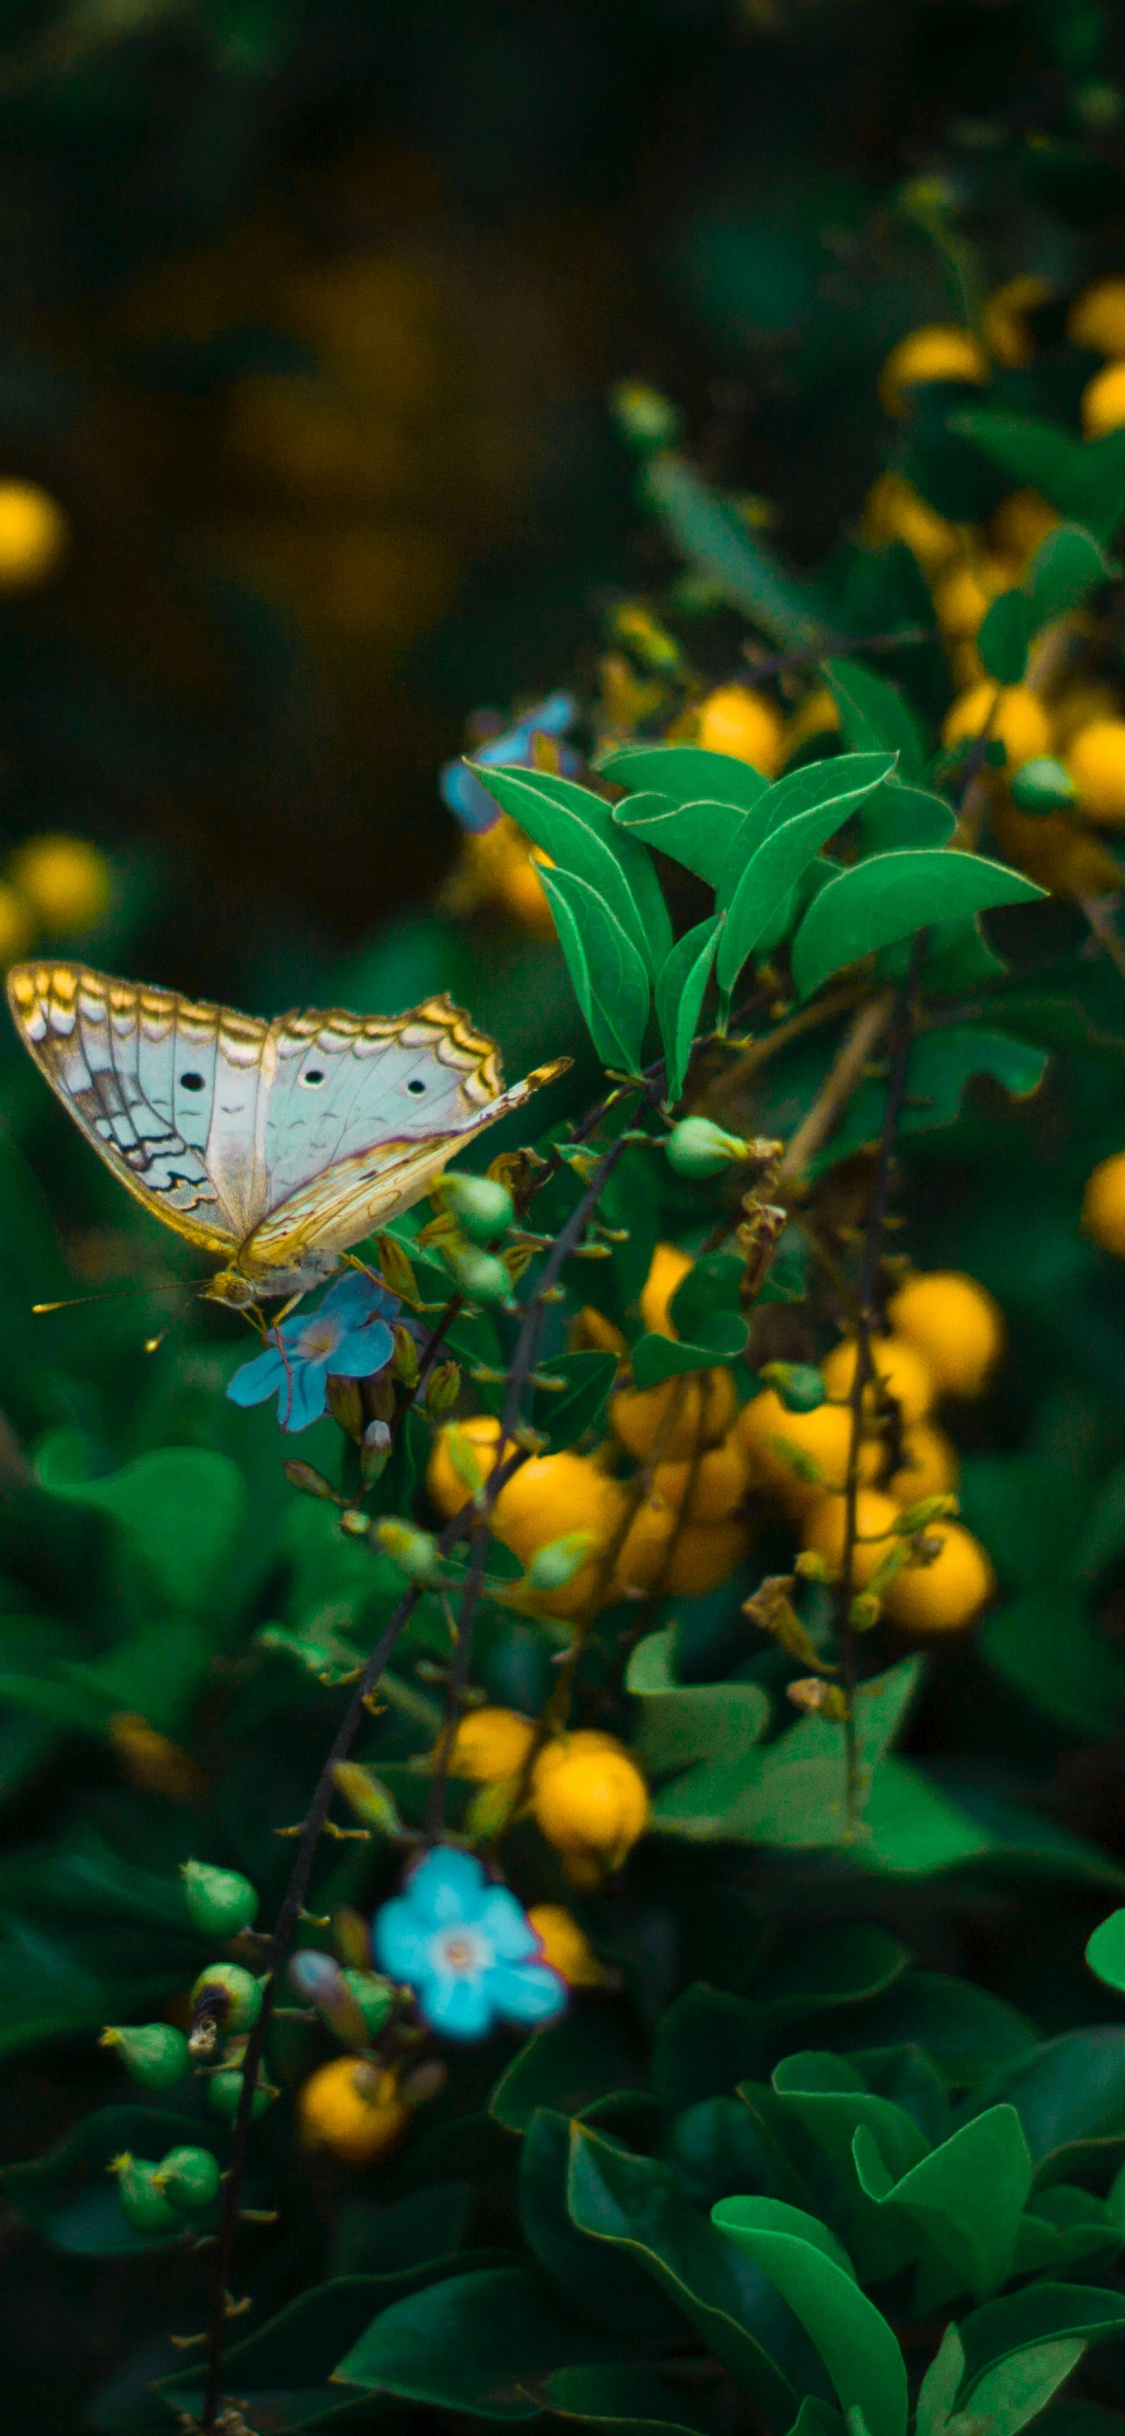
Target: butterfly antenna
[[110, 1294]]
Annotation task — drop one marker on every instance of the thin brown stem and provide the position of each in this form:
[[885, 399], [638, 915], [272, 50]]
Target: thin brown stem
[[842, 1079]]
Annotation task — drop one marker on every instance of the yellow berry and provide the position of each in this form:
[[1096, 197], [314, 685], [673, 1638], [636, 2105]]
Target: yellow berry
[[713, 1487], [1009, 712], [1103, 1204], [822, 1437], [1004, 320], [550, 1496], [491, 1744], [946, 1595], [929, 1465], [956, 1326], [34, 534], [1097, 318], [592, 1332], [352, 2109], [1103, 402], [901, 1371], [825, 1528], [684, 1561], [937, 352], [17, 924], [1096, 761], [738, 720], [65, 879], [1053, 851], [894, 511], [564, 1946], [703, 1405], [963, 594], [591, 1802], [448, 1490], [667, 1270]]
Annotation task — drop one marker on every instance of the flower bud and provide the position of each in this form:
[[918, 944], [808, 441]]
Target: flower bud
[[697, 1148], [1043, 785], [442, 1389], [477, 1275], [355, 1524], [143, 2203], [424, 2083], [304, 1476], [928, 1509], [374, 1452], [865, 1611], [552, 1567], [345, 1405], [799, 1385], [154, 2054], [404, 1360], [231, 1996], [481, 1205], [220, 1902], [395, 1269], [367, 1797], [374, 1997], [414, 1552], [818, 1699], [318, 1976], [189, 2178]]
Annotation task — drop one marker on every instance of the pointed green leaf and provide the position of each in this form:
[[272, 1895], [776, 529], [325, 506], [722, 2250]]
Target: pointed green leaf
[[940, 2385], [1005, 637], [714, 539], [1105, 1951], [889, 897], [1039, 2313], [780, 861], [683, 774], [683, 1722], [474, 2343], [905, 816], [817, 2279], [633, 2401], [610, 980], [1085, 480], [576, 828], [1017, 2389], [698, 835], [874, 718], [680, 989], [968, 2195]]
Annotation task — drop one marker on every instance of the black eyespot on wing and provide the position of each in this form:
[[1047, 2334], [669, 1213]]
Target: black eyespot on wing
[[191, 1082], [416, 1087], [312, 1078]]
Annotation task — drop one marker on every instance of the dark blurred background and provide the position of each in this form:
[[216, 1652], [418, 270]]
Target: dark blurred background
[[310, 311]]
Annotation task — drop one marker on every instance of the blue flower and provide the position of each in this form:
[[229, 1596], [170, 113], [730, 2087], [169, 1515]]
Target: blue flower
[[464, 796], [466, 1948], [346, 1337]]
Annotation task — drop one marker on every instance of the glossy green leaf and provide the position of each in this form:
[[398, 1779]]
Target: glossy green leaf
[[1005, 636], [633, 2401], [1068, 565], [1041, 2312], [1105, 1950], [1017, 2389], [874, 717], [565, 1414], [889, 897], [699, 835], [905, 816], [607, 2285], [681, 986], [683, 1722], [476, 2343], [795, 838], [846, 779], [940, 2385], [817, 2280], [576, 828], [590, 2052], [633, 2202], [708, 2041], [967, 2195], [181, 1512], [1070, 2096], [683, 774], [610, 981]]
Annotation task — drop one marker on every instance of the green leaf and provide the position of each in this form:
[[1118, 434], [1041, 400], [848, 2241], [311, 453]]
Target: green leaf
[[1048, 1648], [716, 541], [1015, 2390], [826, 2094], [181, 1512], [608, 2286], [576, 828], [939, 2387], [874, 717], [968, 2033], [1105, 1950], [791, 1793], [1005, 635], [818, 2281], [633, 2202], [845, 780], [968, 2195], [699, 835], [610, 980], [1039, 2313], [1070, 2097], [891, 896], [706, 1310], [794, 840], [566, 1414], [474, 2343], [1085, 480], [680, 989], [1068, 565], [683, 774], [707, 2042], [681, 1722], [905, 816], [592, 2051], [633, 2401]]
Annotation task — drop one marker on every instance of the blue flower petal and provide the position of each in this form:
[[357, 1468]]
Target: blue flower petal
[[460, 2007], [446, 1887], [555, 715], [526, 1991], [402, 1943], [506, 1925], [257, 1379], [362, 1351], [302, 1395], [464, 796], [355, 1298]]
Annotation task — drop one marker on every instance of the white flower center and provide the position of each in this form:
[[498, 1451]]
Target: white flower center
[[321, 1337], [461, 1951]]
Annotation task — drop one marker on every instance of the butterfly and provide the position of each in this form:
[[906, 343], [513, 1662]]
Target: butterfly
[[274, 1145]]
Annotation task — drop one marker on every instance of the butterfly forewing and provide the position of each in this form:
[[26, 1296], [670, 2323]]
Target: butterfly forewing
[[345, 1084]]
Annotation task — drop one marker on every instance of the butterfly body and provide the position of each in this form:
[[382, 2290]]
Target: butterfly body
[[274, 1145]]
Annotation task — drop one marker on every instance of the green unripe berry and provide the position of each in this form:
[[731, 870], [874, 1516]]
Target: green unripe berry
[[153, 2053], [220, 1901], [143, 2203], [482, 1207], [1043, 785], [643, 416], [696, 1148], [224, 2089], [375, 1997], [799, 1385], [414, 1552], [478, 1275], [552, 1567], [234, 1995], [189, 2178]]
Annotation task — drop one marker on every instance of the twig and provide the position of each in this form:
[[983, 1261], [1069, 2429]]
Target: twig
[[902, 1036], [842, 1079], [759, 1052]]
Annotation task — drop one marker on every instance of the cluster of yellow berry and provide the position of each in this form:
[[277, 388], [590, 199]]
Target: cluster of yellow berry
[[56, 888]]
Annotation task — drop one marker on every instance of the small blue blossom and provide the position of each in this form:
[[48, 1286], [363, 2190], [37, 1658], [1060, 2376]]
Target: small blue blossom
[[466, 1948], [347, 1337], [464, 796]]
